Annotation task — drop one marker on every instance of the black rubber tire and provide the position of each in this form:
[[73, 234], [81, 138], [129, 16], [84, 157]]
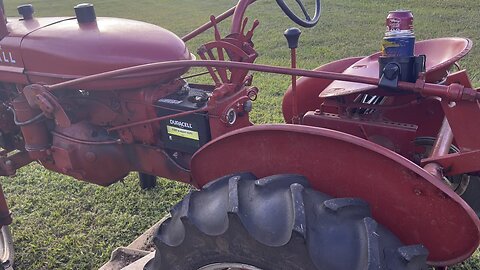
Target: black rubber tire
[[471, 194], [274, 223], [147, 181]]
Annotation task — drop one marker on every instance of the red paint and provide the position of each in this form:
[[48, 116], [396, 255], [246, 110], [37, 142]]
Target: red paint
[[239, 14], [45, 52], [413, 204], [95, 86], [439, 60], [310, 88], [395, 136]]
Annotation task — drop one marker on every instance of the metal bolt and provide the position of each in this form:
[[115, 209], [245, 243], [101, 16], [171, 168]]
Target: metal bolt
[[417, 192], [231, 116], [248, 106]]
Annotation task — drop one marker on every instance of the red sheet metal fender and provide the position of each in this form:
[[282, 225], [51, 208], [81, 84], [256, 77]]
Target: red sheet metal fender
[[405, 198]]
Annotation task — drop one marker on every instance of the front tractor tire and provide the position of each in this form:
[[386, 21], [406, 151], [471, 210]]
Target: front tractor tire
[[277, 222]]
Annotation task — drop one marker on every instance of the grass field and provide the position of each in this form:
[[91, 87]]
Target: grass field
[[61, 223]]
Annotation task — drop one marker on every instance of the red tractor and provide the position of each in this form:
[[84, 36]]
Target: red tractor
[[298, 195]]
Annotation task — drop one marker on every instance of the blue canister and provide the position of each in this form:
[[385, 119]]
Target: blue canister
[[399, 40], [398, 45]]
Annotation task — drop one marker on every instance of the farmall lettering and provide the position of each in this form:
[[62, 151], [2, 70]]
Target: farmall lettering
[[6, 57]]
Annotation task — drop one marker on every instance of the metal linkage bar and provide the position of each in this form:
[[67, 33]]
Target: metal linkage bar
[[454, 92]]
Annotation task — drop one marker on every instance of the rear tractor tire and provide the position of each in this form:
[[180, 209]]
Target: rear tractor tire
[[277, 222]]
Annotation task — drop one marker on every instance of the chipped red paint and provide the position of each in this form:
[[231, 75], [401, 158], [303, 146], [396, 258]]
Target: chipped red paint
[[416, 206], [81, 100], [42, 51]]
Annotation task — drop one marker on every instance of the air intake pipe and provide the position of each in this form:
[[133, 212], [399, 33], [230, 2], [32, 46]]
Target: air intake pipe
[[3, 21]]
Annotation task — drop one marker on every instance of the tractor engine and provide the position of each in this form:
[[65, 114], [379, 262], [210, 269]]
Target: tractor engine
[[73, 130]]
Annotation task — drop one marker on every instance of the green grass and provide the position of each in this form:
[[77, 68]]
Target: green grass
[[61, 223]]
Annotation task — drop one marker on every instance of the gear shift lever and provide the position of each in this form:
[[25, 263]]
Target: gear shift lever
[[293, 35]]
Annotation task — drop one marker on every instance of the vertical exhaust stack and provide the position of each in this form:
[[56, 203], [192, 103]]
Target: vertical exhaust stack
[[3, 21]]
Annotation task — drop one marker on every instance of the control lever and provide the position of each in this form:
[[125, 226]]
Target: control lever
[[293, 35], [249, 34], [213, 20], [244, 25]]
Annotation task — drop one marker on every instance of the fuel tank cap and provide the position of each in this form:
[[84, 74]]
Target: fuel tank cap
[[85, 13], [26, 11]]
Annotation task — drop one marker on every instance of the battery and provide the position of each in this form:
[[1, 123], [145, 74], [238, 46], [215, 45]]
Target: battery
[[185, 133]]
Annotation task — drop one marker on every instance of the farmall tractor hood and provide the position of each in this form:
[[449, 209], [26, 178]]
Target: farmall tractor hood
[[52, 50]]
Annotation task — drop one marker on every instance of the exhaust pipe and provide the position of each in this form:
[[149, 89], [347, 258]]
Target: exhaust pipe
[[2, 6], [3, 21]]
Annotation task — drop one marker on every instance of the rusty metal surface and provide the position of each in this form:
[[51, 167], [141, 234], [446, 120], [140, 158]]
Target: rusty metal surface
[[395, 136], [427, 114], [98, 163], [98, 159], [35, 135], [99, 135], [9, 164], [413, 204]]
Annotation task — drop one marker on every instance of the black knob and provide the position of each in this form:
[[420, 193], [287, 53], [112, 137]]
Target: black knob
[[85, 13], [292, 35], [26, 11], [391, 71]]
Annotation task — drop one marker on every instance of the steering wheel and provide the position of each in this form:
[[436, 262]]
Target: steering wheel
[[308, 21]]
